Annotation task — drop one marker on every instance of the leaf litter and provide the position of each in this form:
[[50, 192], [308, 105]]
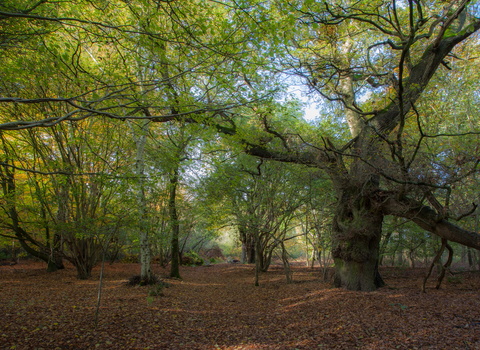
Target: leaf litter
[[218, 307]]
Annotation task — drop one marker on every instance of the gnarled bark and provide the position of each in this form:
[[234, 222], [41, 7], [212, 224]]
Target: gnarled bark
[[357, 230]]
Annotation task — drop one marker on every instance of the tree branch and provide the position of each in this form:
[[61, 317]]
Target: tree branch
[[427, 218]]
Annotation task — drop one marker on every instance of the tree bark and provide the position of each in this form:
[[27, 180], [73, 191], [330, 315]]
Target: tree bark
[[175, 226], [243, 258], [243, 239], [426, 218], [145, 251], [357, 230], [470, 260], [258, 257]]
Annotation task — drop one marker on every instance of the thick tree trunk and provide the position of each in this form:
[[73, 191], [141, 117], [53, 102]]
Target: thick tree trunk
[[357, 230]]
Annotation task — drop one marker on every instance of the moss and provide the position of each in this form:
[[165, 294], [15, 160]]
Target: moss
[[338, 263]]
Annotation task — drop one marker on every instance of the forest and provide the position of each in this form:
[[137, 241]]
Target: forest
[[255, 140]]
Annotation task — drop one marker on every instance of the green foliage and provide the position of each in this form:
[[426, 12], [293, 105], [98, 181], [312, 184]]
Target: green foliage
[[194, 258]]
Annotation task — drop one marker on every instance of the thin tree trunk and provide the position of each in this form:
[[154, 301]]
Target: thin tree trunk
[[434, 262], [175, 226], [286, 265], [446, 266], [307, 262], [400, 251], [257, 258], [145, 251]]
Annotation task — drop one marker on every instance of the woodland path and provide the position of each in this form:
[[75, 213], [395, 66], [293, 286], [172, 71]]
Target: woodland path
[[218, 307]]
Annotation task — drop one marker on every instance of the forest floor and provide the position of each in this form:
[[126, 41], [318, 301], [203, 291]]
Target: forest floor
[[218, 307]]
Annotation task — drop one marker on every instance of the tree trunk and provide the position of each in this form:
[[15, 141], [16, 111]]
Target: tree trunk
[[314, 256], [250, 249], [286, 265], [243, 258], [400, 249], [411, 255], [307, 262], [62, 221], [258, 256], [446, 266], [7, 181], [243, 239], [266, 259], [478, 259], [434, 262], [145, 252], [384, 245], [438, 263], [357, 230], [175, 247]]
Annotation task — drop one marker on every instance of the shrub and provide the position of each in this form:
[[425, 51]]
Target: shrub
[[193, 258], [130, 259], [187, 260]]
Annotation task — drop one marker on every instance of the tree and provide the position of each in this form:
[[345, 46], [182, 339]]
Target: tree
[[262, 200], [70, 209], [377, 173]]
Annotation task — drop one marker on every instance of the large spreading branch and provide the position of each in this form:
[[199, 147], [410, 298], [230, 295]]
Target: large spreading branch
[[428, 219]]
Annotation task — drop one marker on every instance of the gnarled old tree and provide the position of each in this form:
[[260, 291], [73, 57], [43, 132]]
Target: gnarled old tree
[[384, 169]]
